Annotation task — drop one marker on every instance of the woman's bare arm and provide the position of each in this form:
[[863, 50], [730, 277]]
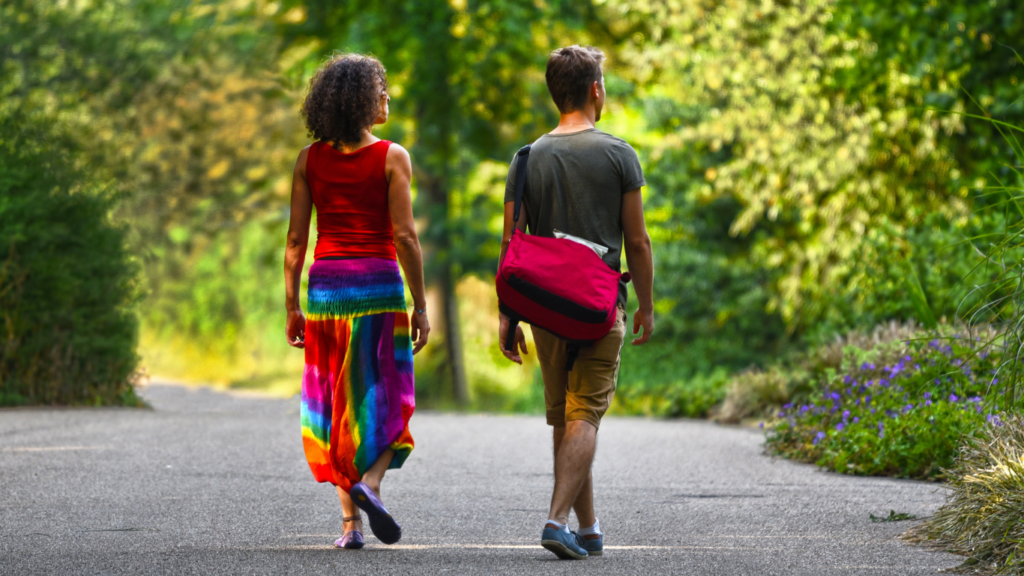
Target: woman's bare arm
[[295, 251], [398, 168]]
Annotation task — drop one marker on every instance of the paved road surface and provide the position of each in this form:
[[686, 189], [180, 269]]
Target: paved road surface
[[209, 483]]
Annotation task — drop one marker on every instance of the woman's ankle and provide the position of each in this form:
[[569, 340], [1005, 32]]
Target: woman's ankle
[[374, 485]]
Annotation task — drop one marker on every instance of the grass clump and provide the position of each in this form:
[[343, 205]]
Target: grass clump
[[983, 517], [899, 408]]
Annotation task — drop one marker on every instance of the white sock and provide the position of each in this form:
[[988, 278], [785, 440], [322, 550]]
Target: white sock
[[562, 527], [595, 529]]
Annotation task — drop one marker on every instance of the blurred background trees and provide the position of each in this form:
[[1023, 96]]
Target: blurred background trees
[[809, 171]]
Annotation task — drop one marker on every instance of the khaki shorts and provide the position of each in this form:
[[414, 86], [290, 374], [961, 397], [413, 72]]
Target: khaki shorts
[[587, 391]]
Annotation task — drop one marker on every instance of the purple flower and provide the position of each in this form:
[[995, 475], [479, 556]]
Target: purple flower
[[908, 408], [835, 396], [881, 434], [781, 415], [927, 402], [761, 425], [927, 395], [953, 398], [856, 419], [818, 438], [846, 414], [840, 426]]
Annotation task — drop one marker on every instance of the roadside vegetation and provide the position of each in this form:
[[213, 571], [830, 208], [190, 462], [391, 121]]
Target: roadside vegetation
[[983, 518]]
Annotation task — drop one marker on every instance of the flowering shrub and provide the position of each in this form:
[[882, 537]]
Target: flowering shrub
[[891, 414]]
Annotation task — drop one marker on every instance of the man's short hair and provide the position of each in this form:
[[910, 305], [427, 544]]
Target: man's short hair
[[570, 74]]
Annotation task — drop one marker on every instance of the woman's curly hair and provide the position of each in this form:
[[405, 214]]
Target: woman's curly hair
[[344, 97]]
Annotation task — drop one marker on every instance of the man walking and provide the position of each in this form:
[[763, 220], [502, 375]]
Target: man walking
[[586, 183]]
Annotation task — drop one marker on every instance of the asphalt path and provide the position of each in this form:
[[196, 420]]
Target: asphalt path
[[214, 483]]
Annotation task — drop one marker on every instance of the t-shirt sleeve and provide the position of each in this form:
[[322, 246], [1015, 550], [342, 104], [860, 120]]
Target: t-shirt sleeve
[[510, 181], [632, 174]]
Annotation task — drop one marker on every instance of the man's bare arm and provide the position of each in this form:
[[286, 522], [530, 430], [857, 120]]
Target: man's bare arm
[[640, 261], [506, 236]]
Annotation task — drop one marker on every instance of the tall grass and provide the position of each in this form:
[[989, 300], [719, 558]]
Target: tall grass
[[999, 277], [983, 517]]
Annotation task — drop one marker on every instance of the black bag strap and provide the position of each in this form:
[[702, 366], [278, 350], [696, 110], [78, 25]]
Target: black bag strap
[[522, 157], [572, 351]]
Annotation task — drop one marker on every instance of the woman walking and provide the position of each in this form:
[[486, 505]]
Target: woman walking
[[357, 389]]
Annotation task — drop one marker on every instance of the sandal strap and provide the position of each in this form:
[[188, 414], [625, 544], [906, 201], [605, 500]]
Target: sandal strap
[[352, 518]]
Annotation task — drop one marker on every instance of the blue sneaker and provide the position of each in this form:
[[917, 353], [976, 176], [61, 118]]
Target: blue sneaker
[[592, 543], [564, 544]]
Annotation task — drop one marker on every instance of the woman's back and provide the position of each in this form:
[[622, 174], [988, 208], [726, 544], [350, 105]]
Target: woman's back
[[350, 193]]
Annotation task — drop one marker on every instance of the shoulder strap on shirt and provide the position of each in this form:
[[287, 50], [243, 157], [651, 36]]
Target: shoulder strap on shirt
[[522, 157]]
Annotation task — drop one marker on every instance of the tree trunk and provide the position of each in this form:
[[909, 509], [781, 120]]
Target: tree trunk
[[453, 338], [437, 190]]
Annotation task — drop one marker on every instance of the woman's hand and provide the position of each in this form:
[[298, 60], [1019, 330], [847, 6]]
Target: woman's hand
[[296, 329], [419, 329]]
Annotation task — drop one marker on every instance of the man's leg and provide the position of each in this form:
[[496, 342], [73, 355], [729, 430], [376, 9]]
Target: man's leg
[[572, 467], [584, 503]]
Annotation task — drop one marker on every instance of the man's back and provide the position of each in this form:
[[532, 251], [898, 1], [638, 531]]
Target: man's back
[[575, 184]]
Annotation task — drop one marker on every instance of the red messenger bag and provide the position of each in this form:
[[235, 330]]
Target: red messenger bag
[[556, 284]]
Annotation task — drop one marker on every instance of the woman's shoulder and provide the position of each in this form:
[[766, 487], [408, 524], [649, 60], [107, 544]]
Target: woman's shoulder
[[396, 152]]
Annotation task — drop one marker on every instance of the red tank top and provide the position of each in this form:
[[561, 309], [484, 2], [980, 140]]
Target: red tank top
[[350, 193]]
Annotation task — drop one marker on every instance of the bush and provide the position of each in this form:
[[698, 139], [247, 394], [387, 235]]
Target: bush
[[757, 393], [67, 283], [983, 517], [898, 409], [693, 397]]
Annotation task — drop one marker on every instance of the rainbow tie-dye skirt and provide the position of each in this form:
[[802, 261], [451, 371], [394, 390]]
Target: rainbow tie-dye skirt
[[358, 390]]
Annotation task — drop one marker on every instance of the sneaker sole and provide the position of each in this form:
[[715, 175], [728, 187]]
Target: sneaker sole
[[382, 524], [561, 550], [595, 553]]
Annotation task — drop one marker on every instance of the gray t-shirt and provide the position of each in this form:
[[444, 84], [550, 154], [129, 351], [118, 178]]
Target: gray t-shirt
[[574, 184]]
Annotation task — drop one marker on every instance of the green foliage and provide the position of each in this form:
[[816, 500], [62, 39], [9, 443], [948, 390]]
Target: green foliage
[[983, 517], [692, 397], [899, 409], [810, 164], [67, 285]]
